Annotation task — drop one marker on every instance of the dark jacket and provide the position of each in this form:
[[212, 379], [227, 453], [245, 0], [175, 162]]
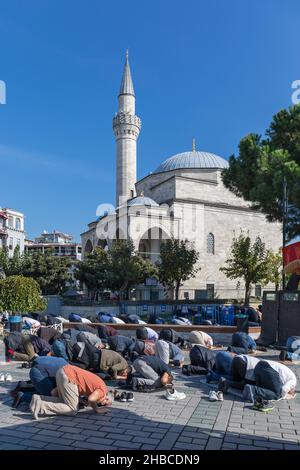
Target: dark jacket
[[48, 334], [14, 341], [41, 347], [202, 357], [86, 356]]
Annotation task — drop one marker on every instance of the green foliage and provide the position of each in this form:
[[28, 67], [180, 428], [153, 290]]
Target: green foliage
[[51, 272], [93, 272], [177, 264], [257, 173], [126, 269], [248, 261], [119, 269], [11, 266], [274, 270], [19, 294]]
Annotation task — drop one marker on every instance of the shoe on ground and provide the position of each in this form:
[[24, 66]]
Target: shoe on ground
[[8, 378], [248, 393], [17, 400], [2, 378], [129, 396], [173, 395], [283, 355], [215, 396], [262, 405], [120, 396], [25, 365]]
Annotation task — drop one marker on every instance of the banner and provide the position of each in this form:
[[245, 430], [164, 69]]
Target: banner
[[291, 258]]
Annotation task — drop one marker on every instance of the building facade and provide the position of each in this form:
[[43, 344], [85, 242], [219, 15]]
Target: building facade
[[12, 230], [183, 198], [57, 243]]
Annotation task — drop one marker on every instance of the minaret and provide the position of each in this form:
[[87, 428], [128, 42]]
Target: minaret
[[126, 126]]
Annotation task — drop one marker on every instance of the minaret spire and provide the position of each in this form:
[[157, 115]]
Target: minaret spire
[[126, 126], [194, 145], [126, 87]]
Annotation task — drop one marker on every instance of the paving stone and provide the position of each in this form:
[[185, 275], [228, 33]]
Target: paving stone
[[214, 444]]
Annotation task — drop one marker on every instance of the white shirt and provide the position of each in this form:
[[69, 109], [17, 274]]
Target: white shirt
[[251, 363], [85, 320], [287, 376], [30, 322], [207, 339], [117, 320], [152, 334]]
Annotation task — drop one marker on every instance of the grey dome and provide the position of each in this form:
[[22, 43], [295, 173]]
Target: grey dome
[[142, 201], [193, 159]]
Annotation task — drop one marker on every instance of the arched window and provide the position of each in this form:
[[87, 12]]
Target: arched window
[[210, 244], [18, 223], [11, 221]]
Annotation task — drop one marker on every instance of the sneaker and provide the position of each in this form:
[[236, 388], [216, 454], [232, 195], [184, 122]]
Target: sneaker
[[129, 396], [17, 400], [213, 396], [120, 396], [283, 355], [173, 395], [248, 393], [262, 405], [2, 378], [25, 365], [8, 378]]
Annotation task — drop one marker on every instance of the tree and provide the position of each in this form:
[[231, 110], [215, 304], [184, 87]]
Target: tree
[[51, 272], [19, 294], [177, 264], [93, 272], [11, 266], [274, 270], [126, 268], [248, 261], [258, 172]]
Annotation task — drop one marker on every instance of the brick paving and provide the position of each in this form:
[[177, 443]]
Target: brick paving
[[153, 423]]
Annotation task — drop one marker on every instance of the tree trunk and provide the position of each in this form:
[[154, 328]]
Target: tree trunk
[[247, 293], [177, 290]]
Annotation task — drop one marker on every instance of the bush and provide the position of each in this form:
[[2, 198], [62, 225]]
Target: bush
[[20, 294]]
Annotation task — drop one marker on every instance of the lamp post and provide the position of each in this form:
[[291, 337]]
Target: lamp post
[[284, 222]]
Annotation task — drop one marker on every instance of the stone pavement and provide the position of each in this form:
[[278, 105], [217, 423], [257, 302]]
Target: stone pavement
[[151, 422]]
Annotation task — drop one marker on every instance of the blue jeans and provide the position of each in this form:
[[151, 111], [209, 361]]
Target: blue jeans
[[293, 348], [41, 382]]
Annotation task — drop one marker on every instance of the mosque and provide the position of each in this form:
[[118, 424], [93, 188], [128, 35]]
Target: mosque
[[184, 197]]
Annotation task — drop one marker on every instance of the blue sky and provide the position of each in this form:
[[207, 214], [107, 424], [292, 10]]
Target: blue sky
[[211, 70]]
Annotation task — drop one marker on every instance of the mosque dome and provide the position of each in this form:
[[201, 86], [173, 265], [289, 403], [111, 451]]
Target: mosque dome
[[193, 159], [142, 201]]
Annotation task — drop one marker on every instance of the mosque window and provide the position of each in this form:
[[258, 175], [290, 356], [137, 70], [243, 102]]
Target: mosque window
[[18, 223], [210, 244]]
